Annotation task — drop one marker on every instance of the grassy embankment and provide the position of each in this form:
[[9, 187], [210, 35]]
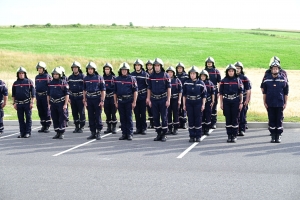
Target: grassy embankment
[[61, 45]]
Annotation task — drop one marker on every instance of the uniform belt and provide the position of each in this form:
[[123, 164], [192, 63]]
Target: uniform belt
[[230, 97], [193, 97], [57, 100], [76, 94], [93, 94], [142, 91], [41, 93], [174, 96], [160, 96], [22, 102], [124, 97], [109, 95]]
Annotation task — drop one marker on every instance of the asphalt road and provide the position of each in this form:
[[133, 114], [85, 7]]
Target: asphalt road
[[253, 168]]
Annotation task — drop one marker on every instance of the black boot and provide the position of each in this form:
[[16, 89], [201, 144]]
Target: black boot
[[137, 131], [273, 138], [242, 133], [98, 137], [42, 129], [169, 131], [213, 126], [76, 128], [229, 138], [234, 138], [158, 137], [56, 136], [114, 129], [144, 132], [80, 129], [108, 130], [184, 125], [192, 139], [278, 138], [129, 137], [123, 137], [198, 140], [163, 138], [92, 136], [61, 136], [46, 129], [175, 132]]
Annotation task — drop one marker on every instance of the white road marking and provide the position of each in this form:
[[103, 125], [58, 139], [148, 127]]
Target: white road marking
[[17, 133], [82, 144], [193, 145]]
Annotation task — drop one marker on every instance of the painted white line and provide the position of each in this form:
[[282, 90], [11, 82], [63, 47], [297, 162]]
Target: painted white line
[[17, 133], [81, 145], [193, 145]]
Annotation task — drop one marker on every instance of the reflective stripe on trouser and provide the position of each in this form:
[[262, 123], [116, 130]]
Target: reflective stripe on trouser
[[242, 119], [25, 127], [214, 111], [58, 116], [1, 118], [94, 113], [43, 110], [125, 111], [231, 112], [140, 114], [182, 113], [78, 112], [110, 110], [194, 115], [275, 115], [173, 112], [160, 111], [206, 117]]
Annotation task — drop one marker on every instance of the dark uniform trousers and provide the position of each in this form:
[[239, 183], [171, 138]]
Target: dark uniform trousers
[[173, 111], [214, 109], [43, 111], [206, 117], [242, 118], [182, 114], [25, 127], [58, 116], [94, 113], [231, 111], [110, 110], [78, 111], [275, 115], [125, 111], [194, 113], [140, 114], [160, 111], [1, 118]]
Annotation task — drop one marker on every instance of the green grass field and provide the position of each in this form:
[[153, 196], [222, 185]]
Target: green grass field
[[62, 45]]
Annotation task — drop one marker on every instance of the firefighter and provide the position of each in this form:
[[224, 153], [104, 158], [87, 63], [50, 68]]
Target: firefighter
[[140, 109], [58, 97], [3, 101], [125, 97], [23, 95], [93, 97], [175, 102], [75, 82], [158, 98]]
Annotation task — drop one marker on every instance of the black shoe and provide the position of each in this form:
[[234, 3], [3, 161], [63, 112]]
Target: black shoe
[[233, 139], [192, 139], [27, 135], [79, 130], [20, 136], [175, 132], [113, 129], [213, 126], [76, 130], [229, 138], [137, 131], [42, 129], [163, 138], [144, 132], [123, 137], [278, 138], [184, 125], [169, 132], [46, 129], [246, 126], [206, 132], [273, 138], [198, 140], [56, 136], [98, 137], [158, 137], [61, 136], [129, 137], [92, 136], [108, 130], [242, 133]]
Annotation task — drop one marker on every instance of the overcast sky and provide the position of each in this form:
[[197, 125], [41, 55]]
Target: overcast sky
[[279, 14]]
